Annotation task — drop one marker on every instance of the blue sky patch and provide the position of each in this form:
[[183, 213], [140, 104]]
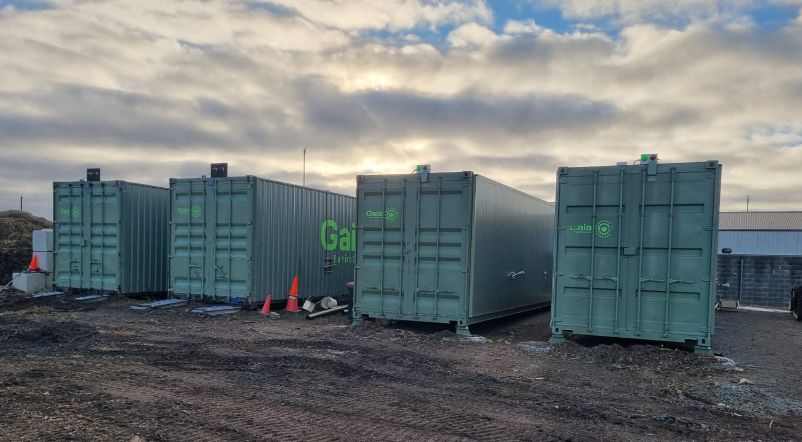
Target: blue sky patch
[[27, 5]]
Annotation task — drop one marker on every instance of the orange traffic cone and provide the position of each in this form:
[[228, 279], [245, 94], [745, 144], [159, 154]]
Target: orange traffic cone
[[292, 301], [266, 306], [34, 265]]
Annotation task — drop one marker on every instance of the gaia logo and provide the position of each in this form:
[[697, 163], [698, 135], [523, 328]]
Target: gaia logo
[[334, 238], [603, 228], [390, 215]]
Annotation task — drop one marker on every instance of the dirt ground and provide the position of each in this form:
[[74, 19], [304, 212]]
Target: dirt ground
[[70, 371]]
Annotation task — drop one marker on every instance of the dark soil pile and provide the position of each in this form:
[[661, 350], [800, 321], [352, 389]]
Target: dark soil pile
[[16, 230]]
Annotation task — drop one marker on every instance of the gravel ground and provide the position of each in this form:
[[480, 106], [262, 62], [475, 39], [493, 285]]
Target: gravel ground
[[102, 372]]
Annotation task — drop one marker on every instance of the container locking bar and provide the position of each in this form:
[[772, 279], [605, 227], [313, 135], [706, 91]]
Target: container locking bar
[[620, 228], [667, 313], [594, 223]]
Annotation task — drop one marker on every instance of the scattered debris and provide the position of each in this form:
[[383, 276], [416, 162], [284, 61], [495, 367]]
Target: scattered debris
[[476, 338], [762, 309], [728, 364], [753, 400], [164, 304], [730, 305], [326, 312], [309, 306], [535, 346], [745, 381], [665, 419], [46, 295], [217, 310], [328, 303], [92, 298]]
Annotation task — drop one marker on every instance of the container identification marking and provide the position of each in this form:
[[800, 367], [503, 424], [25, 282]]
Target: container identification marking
[[603, 228], [390, 215]]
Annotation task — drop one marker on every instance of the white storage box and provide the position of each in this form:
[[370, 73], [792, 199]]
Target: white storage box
[[30, 282], [43, 240]]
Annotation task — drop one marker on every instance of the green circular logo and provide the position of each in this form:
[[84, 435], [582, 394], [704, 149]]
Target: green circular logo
[[391, 215], [603, 229]]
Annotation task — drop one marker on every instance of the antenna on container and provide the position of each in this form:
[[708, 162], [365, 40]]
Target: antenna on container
[[303, 179]]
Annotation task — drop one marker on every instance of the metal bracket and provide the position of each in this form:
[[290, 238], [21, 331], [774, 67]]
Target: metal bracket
[[516, 275]]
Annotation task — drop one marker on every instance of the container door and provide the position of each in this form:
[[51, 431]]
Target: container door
[[413, 247], [635, 251], [188, 254], [69, 235], [230, 207], [436, 264], [670, 274], [383, 240], [101, 254]]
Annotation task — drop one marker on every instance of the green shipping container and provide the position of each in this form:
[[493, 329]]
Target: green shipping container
[[450, 248], [635, 255], [111, 236], [238, 239]]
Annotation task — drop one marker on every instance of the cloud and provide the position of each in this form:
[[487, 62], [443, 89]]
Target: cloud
[[471, 34], [157, 89], [398, 114], [393, 15]]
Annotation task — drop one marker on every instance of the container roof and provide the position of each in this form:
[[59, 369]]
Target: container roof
[[760, 221]]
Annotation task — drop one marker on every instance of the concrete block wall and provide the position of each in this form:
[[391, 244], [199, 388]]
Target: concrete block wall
[[767, 280]]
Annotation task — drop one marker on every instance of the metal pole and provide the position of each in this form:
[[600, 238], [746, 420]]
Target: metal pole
[[20, 202], [303, 180]]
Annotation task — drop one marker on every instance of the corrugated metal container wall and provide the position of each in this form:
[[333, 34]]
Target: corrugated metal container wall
[[635, 255], [450, 247], [238, 239], [111, 236]]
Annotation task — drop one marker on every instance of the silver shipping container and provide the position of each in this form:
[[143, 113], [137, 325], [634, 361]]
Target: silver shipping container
[[451, 247], [239, 239], [111, 236]]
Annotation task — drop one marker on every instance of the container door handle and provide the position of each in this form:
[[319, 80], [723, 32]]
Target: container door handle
[[517, 275]]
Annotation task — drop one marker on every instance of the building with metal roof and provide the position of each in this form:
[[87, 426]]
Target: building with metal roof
[[760, 256], [785, 221], [760, 233]]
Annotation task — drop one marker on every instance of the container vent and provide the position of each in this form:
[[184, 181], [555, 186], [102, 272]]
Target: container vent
[[93, 175], [220, 170]]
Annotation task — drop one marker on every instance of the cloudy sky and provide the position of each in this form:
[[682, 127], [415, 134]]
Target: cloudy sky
[[152, 89]]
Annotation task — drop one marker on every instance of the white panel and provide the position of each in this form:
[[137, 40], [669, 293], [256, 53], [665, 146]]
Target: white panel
[[43, 240]]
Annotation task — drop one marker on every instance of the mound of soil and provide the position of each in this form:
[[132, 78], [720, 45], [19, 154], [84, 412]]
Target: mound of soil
[[26, 335], [16, 230]]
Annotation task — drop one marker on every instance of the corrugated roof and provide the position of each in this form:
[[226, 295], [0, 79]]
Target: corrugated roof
[[760, 221]]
